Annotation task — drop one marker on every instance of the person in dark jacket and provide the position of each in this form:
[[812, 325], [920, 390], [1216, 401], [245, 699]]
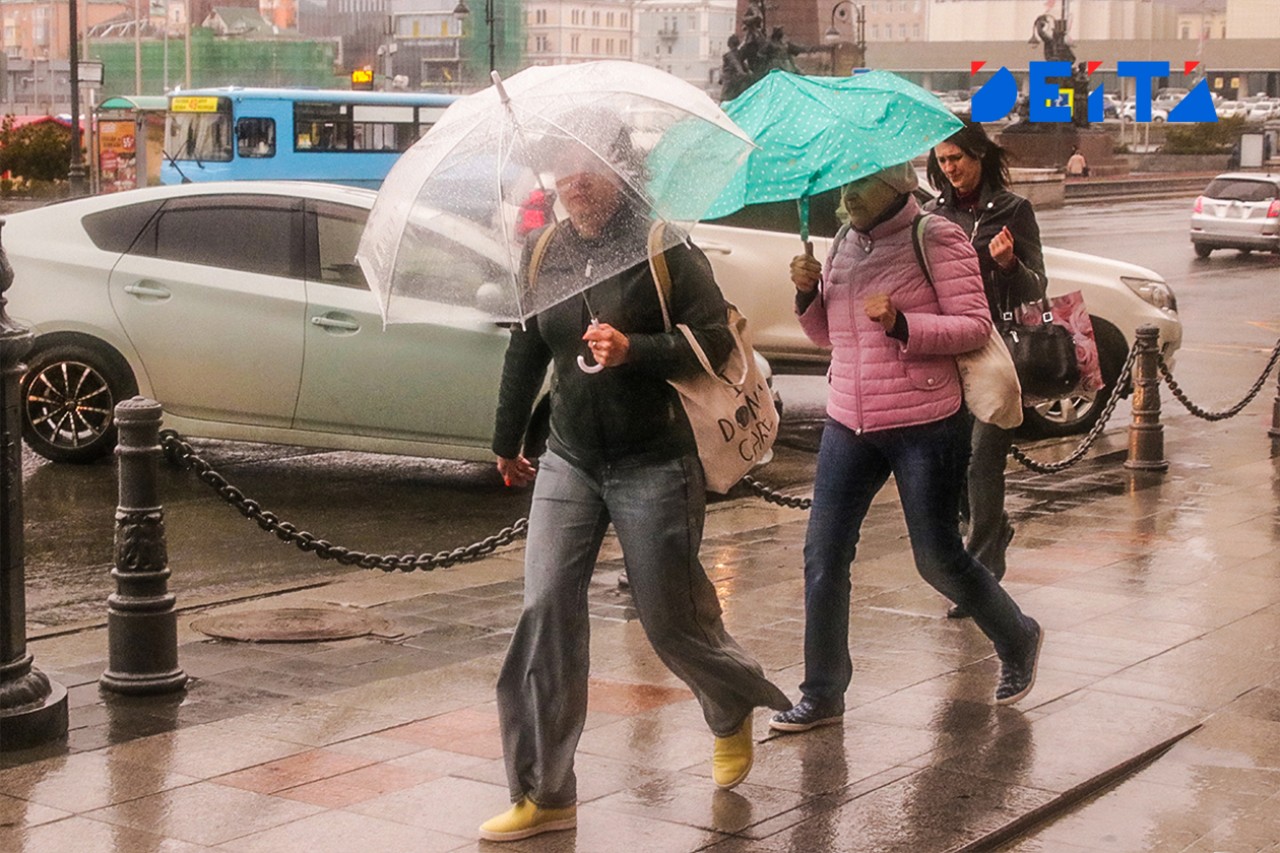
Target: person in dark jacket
[[971, 173], [620, 450]]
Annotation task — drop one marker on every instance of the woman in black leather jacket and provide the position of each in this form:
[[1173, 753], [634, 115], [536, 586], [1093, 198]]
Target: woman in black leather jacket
[[971, 173]]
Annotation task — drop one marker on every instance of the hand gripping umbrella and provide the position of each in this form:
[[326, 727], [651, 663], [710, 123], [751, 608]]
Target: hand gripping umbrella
[[451, 224], [818, 133]]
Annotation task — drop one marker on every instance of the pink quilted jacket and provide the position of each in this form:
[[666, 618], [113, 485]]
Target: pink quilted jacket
[[876, 381]]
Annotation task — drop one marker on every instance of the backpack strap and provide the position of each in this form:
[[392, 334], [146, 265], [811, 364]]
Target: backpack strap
[[918, 226], [535, 257], [658, 266]]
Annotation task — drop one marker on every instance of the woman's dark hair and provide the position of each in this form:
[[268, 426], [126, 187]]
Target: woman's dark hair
[[972, 139]]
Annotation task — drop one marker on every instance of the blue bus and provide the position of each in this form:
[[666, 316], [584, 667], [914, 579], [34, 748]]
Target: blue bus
[[338, 136]]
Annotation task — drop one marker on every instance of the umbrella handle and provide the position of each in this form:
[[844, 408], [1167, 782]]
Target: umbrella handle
[[808, 248], [589, 368]]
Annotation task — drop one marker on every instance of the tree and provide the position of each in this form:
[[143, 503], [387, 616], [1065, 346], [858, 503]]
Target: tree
[[36, 152]]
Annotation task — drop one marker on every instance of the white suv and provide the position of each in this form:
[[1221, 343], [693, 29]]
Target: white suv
[[751, 268], [1238, 210]]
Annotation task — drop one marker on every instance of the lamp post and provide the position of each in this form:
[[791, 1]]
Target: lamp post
[[462, 11], [75, 173], [832, 35]]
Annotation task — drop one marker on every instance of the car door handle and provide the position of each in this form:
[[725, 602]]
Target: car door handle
[[327, 322], [715, 248], [153, 291]]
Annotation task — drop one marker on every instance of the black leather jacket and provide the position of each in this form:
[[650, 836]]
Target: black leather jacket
[[627, 413], [1006, 289]]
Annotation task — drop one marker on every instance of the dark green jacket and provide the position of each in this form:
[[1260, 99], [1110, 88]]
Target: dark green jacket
[[627, 413]]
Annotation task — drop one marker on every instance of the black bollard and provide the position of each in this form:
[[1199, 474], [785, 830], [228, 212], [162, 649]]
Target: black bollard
[[33, 709], [142, 626], [1274, 432], [1146, 433]]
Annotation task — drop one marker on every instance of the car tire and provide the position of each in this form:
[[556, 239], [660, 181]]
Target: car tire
[[69, 395], [1078, 413], [1202, 251]]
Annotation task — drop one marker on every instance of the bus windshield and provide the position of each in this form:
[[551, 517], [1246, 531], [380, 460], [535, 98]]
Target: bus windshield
[[199, 131]]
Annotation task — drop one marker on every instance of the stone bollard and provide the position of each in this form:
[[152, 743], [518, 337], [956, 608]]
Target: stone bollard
[[1274, 432], [142, 627], [1146, 433], [33, 709]]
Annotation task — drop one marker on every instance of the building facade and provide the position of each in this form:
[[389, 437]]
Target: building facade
[[686, 38], [558, 32]]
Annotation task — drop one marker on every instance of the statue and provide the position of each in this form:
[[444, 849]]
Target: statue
[[1056, 49], [734, 77], [779, 52], [750, 58]]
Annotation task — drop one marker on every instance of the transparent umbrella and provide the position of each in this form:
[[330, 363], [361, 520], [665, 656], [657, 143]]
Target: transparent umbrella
[[452, 220]]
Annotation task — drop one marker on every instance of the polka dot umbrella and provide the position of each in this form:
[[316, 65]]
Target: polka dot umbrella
[[818, 133]]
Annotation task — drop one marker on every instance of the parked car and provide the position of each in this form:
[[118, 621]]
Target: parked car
[[1129, 112], [1263, 109], [751, 266], [1232, 109], [1237, 210]]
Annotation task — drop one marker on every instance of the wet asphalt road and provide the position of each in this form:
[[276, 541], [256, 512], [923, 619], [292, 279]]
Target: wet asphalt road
[[385, 504]]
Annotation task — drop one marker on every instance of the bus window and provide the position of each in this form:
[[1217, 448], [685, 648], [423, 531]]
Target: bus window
[[203, 135], [256, 137]]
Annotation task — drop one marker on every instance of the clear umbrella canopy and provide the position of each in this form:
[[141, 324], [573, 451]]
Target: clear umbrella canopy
[[452, 221]]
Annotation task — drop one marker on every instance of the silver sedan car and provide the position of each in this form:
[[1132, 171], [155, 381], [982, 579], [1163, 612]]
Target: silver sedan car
[[241, 309], [1238, 210]]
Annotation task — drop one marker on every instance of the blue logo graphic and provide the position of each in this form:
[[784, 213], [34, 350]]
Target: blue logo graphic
[[1052, 102]]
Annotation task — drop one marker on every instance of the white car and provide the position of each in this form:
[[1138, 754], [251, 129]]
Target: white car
[[1237, 210], [239, 307], [751, 267], [1129, 112]]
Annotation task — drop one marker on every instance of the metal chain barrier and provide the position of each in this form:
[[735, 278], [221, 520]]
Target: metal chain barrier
[[1092, 435], [775, 497], [1226, 413], [181, 453]]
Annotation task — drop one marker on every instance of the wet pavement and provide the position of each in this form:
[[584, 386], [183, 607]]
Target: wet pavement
[[1154, 723]]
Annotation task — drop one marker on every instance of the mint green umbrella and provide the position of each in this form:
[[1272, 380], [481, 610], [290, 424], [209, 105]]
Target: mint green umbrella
[[818, 133]]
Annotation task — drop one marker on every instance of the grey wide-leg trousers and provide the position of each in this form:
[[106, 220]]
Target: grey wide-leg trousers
[[657, 511]]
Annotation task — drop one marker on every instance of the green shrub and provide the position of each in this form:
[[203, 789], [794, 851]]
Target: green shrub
[[1206, 138], [37, 152]]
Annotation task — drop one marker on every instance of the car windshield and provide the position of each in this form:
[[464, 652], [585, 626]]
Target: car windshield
[[1231, 189]]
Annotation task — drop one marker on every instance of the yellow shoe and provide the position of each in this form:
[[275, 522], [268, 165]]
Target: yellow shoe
[[525, 820], [733, 756]]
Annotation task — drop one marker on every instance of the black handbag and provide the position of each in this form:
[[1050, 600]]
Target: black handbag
[[1044, 355]]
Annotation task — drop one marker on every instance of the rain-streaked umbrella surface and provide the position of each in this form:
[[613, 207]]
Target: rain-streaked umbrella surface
[[451, 221], [818, 133]]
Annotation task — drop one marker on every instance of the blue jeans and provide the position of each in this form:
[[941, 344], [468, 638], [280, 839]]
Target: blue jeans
[[928, 464], [657, 511]]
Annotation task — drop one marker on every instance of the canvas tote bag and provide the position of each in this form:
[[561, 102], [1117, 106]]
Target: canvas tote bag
[[987, 375], [731, 410]]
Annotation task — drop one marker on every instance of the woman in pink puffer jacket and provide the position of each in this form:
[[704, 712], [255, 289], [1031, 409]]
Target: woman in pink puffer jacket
[[894, 408]]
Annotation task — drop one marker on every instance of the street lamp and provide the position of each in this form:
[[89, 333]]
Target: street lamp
[[462, 11], [832, 35], [75, 172]]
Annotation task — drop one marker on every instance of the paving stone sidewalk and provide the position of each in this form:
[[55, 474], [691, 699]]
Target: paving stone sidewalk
[[1160, 595]]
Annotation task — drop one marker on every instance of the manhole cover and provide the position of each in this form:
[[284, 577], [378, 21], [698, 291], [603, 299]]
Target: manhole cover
[[291, 625]]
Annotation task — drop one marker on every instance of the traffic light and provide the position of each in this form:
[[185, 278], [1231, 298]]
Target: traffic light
[[362, 79]]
